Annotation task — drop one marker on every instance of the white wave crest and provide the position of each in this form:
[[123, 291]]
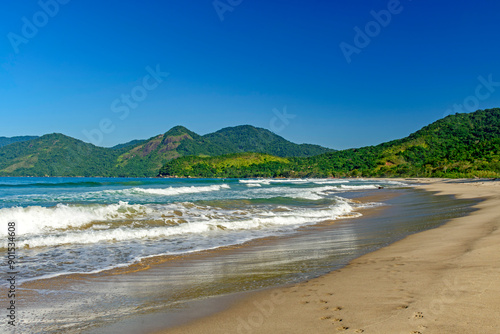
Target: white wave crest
[[253, 185], [360, 187], [171, 191], [37, 219], [207, 225], [292, 181]]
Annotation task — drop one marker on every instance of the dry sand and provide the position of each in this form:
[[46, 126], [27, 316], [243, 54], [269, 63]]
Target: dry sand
[[445, 280]]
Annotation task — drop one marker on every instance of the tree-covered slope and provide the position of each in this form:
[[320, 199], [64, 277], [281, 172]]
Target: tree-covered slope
[[10, 140], [228, 165], [128, 145], [460, 145], [59, 155], [146, 158], [55, 155], [247, 138]]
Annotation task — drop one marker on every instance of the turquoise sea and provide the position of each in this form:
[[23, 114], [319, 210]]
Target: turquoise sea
[[61, 223]]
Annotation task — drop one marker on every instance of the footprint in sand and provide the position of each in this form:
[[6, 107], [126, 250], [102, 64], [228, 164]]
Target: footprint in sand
[[416, 332], [359, 331], [336, 320], [338, 308], [326, 317], [418, 315], [324, 308], [402, 306], [342, 328]]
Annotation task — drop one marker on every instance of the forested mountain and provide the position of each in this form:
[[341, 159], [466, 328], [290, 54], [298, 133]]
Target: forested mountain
[[150, 155], [247, 138], [146, 158], [9, 140], [59, 155], [460, 145], [130, 144], [55, 155]]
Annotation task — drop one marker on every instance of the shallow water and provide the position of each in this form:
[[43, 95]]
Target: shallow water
[[61, 223]]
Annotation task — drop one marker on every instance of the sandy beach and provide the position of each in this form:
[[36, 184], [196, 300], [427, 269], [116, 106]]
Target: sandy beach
[[443, 280]]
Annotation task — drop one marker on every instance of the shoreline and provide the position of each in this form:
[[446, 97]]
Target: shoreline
[[157, 260], [147, 295], [441, 280]]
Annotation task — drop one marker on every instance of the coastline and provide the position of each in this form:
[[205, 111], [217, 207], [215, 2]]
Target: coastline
[[440, 280]]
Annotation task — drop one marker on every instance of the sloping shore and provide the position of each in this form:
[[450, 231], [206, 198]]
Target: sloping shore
[[443, 280]]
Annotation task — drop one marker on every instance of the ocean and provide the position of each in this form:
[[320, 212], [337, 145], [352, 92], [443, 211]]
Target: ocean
[[61, 223]]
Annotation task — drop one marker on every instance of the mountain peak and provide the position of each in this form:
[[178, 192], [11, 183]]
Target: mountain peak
[[245, 127], [179, 130]]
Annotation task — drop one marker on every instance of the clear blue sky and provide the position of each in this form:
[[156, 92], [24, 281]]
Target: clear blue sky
[[71, 73]]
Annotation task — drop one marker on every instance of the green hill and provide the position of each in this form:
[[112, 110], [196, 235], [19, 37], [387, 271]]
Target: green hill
[[229, 165], [460, 145], [129, 144], [146, 158], [55, 155], [6, 140], [59, 155], [247, 138]]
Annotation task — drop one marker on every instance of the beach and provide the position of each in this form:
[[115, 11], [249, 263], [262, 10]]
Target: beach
[[136, 255], [443, 280], [368, 255]]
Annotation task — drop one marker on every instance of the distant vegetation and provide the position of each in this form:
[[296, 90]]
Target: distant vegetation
[[9, 140], [55, 155], [60, 155], [245, 138], [461, 145], [238, 165]]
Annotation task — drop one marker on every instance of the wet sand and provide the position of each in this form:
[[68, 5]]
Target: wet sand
[[443, 280]]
